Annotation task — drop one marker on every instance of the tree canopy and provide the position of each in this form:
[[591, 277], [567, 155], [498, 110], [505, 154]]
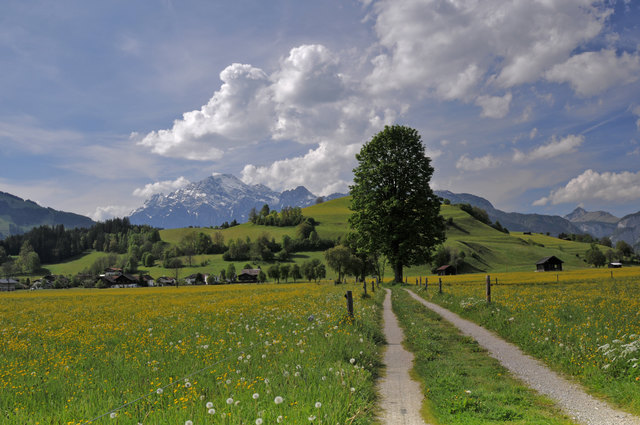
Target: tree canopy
[[395, 211]]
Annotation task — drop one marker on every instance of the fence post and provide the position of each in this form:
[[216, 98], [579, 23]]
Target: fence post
[[364, 286], [373, 287], [349, 297], [440, 285], [420, 280], [426, 283], [488, 289]]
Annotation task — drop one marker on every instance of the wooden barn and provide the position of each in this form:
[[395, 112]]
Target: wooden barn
[[446, 270], [549, 264]]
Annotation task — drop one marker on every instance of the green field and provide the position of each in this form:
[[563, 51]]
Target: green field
[[486, 249]]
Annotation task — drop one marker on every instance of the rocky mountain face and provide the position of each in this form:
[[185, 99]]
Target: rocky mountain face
[[18, 216], [214, 200]]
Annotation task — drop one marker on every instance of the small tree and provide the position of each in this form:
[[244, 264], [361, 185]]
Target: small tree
[[285, 271], [595, 256], [338, 259], [231, 272], [274, 272], [295, 273]]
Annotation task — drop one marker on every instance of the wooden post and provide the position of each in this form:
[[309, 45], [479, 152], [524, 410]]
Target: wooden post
[[440, 285], [364, 286], [416, 281], [496, 280], [349, 297], [426, 283], [611, 274], [421, 280], [488, 289], [373, 287], [557, 278]]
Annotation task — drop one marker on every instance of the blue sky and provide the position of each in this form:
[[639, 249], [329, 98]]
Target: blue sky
[[534, 105]]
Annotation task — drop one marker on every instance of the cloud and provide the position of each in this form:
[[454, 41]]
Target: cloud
[[165, 186], [636, 112], [550, 150], [494, 106], [321, 170], [452, 49], [592, 73], [25, 133], [240, 112], [477, 164], [591, 185], [110, 211]]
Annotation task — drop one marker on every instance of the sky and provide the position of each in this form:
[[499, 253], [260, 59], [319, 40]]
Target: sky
[[532, 104]]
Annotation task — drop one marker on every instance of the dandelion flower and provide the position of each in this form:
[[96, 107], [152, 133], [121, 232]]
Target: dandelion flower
[[211, 411], [255, 396], [352, 361], [209, 405], [259, 421], [159, 391], [229, 400], [279, 419], [278, 400], [312, 418], [318, 405], [113, 415], [188, 423]]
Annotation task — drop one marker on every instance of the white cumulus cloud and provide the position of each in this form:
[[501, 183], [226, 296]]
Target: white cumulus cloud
[[550, 150], [477, 164], [165, 186], [592, 73], [321, 170], [591, 185], [110, 211], [450, 49], [494, 106]]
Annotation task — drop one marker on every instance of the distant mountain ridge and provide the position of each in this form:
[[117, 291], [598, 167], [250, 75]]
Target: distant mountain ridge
[[216, 199], [596, 223], [18, 216]]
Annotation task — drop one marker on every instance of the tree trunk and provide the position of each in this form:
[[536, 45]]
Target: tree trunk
[[397, 271]]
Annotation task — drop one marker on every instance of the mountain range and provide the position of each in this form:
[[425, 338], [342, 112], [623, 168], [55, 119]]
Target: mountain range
[[223, 198], [217, 199], [19, 216], [598, 224]]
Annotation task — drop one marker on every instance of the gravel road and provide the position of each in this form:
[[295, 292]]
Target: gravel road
[[582, 407], [401, 395]]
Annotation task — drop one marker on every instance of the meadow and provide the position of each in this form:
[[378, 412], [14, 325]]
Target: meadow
[[585, 323], [233, 354]]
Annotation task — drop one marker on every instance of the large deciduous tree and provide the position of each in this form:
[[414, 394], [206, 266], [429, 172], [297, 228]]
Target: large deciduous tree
[[395, 211]]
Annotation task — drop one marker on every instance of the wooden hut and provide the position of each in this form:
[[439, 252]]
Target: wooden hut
[[549, 264]]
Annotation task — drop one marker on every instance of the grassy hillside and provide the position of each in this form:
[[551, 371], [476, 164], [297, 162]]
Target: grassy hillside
[[486, 249]]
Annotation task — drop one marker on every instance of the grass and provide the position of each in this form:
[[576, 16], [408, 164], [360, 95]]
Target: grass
[[461, 383], [67, 357], [583, 323]]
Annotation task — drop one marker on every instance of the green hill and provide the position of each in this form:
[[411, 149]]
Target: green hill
[[18, 216], [486, 249]]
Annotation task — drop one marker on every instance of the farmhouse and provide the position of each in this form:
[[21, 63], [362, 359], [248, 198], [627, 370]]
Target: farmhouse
[[446, 270], [549, 264], [615, 265], [249, 275], [8, 285], [163, 280], [121, 281]]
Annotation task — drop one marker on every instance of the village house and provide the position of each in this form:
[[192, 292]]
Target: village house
[[164, 280], [121, 281]]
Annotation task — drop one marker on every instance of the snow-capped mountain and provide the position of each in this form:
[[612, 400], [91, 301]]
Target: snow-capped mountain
[[214, 200]]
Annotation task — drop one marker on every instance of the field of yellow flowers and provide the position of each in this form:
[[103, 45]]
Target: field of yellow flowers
[[233, 354], [585, 323]]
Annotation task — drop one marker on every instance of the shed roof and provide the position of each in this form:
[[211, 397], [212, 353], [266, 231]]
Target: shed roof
[[552, 259]]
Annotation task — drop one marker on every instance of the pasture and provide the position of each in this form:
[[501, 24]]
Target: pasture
[[225, 354]]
